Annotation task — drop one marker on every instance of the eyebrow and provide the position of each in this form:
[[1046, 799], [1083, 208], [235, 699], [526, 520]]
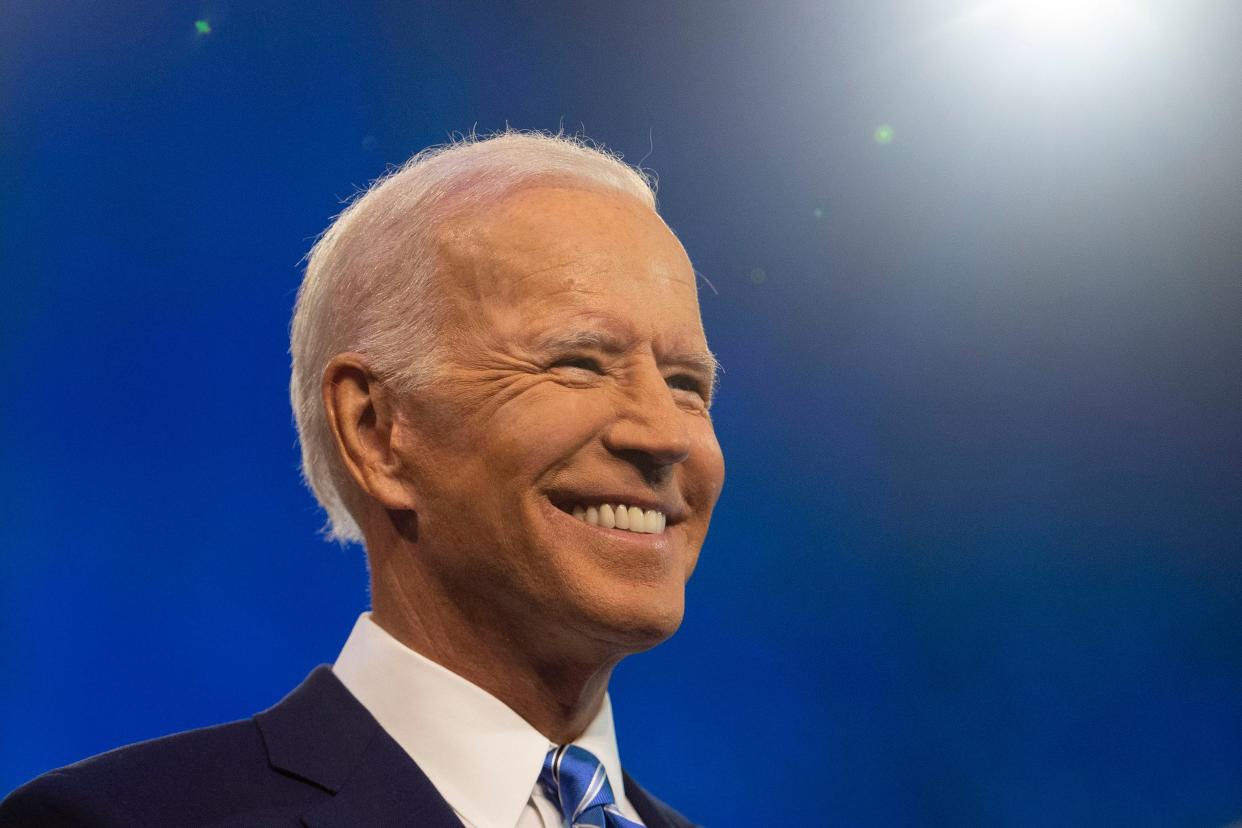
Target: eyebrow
[[566, 340], [703, 361]]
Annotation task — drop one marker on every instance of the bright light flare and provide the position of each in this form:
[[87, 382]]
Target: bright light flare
[[1069, 17], [1057, 44]]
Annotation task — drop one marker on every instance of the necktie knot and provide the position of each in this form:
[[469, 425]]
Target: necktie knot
[[578, 783]]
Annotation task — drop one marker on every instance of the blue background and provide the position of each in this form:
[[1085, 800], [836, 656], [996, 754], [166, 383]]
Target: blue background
[[977, 559]]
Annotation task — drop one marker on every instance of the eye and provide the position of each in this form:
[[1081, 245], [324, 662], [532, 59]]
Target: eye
[[686, 382], [583, 363]]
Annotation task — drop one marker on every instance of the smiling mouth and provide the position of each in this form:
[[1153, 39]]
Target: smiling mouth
[[618, 516]]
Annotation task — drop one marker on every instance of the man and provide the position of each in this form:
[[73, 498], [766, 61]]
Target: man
[[501, 385]]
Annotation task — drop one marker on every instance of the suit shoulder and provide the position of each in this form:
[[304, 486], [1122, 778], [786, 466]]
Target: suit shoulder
[[58, 798], [199, 775], [204, 751]]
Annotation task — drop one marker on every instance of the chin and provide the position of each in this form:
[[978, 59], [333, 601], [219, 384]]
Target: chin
[[637, 625]]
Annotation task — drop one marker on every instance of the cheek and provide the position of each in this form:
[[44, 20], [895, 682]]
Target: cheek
[[549, 427]]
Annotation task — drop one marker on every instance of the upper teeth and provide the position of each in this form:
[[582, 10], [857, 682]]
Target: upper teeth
[[620, 516]]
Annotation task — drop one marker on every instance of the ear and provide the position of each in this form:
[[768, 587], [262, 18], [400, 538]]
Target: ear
[[361, 414]]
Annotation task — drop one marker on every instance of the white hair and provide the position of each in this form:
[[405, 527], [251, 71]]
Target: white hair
[[369, 284]]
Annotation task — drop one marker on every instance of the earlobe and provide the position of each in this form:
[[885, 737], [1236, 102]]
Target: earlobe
[[360, 413]]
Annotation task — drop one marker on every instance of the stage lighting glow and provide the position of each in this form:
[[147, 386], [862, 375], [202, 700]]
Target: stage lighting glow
[[1073, 19], [1051, 46], [1052, 17]]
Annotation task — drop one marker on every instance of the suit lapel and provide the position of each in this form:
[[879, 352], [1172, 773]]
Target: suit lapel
[[385, 789], [322, 735], [654, 813]]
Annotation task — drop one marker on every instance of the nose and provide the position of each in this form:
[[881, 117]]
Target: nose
[[649, 430]]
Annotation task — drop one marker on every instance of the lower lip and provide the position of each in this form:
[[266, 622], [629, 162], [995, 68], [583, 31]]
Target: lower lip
[[659, 542]]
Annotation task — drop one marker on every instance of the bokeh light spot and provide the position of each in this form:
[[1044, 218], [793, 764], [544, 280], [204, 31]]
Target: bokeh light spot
[[758, 276], [818, 212], [884, 134], [202, 27]]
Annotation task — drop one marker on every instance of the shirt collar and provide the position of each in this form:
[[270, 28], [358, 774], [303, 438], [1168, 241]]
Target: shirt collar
[[480, 754]]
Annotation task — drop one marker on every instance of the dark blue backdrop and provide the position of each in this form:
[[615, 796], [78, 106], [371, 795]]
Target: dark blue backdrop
[[977, 559]]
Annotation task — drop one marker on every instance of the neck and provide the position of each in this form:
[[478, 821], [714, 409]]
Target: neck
[[559, 695]]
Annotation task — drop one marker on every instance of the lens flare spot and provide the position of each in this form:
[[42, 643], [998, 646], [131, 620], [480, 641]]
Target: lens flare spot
[[883, 134], [203, 27]]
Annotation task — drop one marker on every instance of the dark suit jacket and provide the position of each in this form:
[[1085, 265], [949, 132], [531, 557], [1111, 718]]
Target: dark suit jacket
[[317, 759]]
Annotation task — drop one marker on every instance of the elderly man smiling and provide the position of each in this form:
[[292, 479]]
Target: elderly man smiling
[[501, 385]]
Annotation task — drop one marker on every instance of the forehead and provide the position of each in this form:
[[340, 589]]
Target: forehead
[[548, 254]]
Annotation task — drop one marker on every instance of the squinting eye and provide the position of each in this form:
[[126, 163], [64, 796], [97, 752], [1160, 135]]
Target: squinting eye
[[686, 383], [585, 363]]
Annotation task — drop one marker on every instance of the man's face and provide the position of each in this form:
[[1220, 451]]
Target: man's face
[[574, 379]]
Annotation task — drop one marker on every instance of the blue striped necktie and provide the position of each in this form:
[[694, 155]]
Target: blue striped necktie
[[576, 781]]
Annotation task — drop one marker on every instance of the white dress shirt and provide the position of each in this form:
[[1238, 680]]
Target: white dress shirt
[[483, 757]]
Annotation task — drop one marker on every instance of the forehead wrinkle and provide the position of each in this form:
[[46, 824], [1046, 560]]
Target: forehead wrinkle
[[580, 254], [471, 249], [509, 272], [539, 271]]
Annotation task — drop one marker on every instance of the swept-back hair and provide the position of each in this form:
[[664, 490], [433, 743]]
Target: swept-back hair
[[369, 285]]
